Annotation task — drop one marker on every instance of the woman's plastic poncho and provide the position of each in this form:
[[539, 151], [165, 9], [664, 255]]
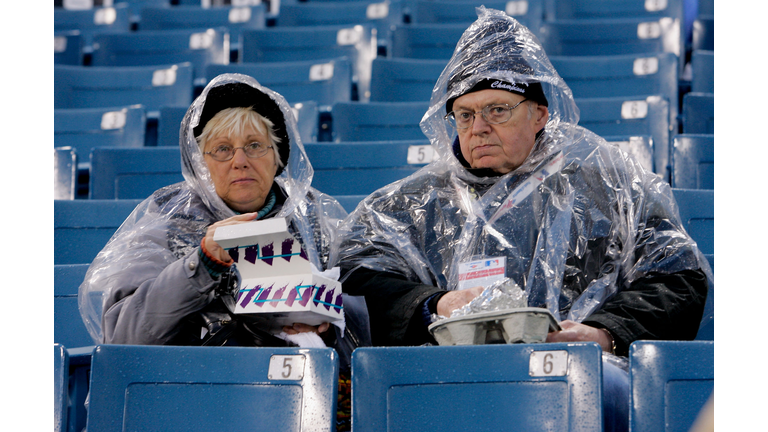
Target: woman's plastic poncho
[[167, 228], [586, 231]]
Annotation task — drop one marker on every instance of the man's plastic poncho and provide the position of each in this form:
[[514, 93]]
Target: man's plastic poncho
[[142, 287], [586, 231]]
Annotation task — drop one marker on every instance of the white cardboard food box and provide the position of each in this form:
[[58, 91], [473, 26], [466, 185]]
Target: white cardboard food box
[[277, 282]]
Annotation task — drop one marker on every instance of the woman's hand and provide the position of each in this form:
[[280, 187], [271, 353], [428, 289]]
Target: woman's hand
[[303, 328], [213, 248]]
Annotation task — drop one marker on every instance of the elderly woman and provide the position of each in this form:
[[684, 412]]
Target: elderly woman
[[162, 279]]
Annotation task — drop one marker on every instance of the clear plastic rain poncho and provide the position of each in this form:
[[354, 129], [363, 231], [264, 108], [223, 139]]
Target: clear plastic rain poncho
[[169, 225], [577, 223]]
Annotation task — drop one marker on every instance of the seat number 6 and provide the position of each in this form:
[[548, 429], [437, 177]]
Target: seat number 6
[[286, 367], [548, 363]]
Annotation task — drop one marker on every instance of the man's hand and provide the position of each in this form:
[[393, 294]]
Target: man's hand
[[303, 328], [456, 299], [576, 332]]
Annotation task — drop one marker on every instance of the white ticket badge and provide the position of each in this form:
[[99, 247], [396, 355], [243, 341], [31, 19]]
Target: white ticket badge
[[482, 272]]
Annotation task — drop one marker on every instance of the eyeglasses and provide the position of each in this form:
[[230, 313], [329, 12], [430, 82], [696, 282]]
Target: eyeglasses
[[493, 114], [224, 153]]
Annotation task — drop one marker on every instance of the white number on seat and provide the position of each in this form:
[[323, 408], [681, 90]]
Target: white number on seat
[[286, 367], [548, 363]]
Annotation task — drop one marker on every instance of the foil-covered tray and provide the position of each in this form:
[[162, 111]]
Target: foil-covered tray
[[522, 325]]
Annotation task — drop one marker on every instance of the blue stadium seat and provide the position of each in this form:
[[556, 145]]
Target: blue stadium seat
[[283, 44], [68, 328], [127, 173], [81, 228], [703, 71], [638, 146], [576, 9], [706, 7], [92, 21], [404, 79], [693, 162], [151, 86], [704, 33], [707, 331], [86, 128], [528, 12], [64, 173], [198, 46], [349, 202], [478, 388], [698, 113], [617, 116], [359, 168], [169, 125], [670, 382], [378, 121], [622, 75], [68, 47], [610, 36], [307, 120], [212, 388], [324, 81], [697, 211], [425, 41], [60, 387]]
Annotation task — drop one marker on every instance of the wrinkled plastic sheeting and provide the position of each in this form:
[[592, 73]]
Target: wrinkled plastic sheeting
[[501, 295]]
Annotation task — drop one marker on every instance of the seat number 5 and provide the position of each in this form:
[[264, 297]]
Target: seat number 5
[[286, 367]]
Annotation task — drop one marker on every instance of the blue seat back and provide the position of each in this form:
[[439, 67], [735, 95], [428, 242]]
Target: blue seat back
[[359, 168], [115, 86], [477, 388], [704, 33], [234, 19], [707, 329], [325, 82], [68, 48], [169, 125], [426, 41], [212, 388], [699, 113], [198, 46], [69, 329], [618, 116], [670, 382], [60, 387], [64, 173], [693, 161], [576, 9], [92, 21], [697, 211], [86, 128], [81, 228], [378, 121], [703, 71], [528, 12], [124, 173], [404, 79], [349, 202]]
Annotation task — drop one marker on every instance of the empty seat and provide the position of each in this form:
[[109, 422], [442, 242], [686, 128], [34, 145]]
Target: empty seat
[[60, 387], [703, 71], [212, 388], [68, 48], [670, 382], [324, 81], [704, 33], [404, 79], [698, 113], [81, 228], [533, 387], [527, 12], [86, 128], [92, 21], [68, 328], [378, 121], [628, 116], [114, 86], [576, 9], [125, 173], [425, 41], [64, 173], [198, 46], [359, 168], [281, 44], [697, 211], [693, 162]]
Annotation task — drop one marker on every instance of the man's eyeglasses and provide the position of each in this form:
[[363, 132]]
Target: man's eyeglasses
[[493, 114], [224, 153]]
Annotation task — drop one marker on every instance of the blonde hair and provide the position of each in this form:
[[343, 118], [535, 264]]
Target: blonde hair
[[232, 121]]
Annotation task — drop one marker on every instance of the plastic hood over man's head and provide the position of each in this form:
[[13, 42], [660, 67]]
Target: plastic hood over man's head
[[497, 52], [234, 91]]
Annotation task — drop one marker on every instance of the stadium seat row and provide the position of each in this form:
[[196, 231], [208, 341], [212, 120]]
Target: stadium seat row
[[532, 387]]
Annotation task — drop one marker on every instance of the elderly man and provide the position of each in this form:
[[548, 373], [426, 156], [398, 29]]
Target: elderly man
[[575, 222]]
